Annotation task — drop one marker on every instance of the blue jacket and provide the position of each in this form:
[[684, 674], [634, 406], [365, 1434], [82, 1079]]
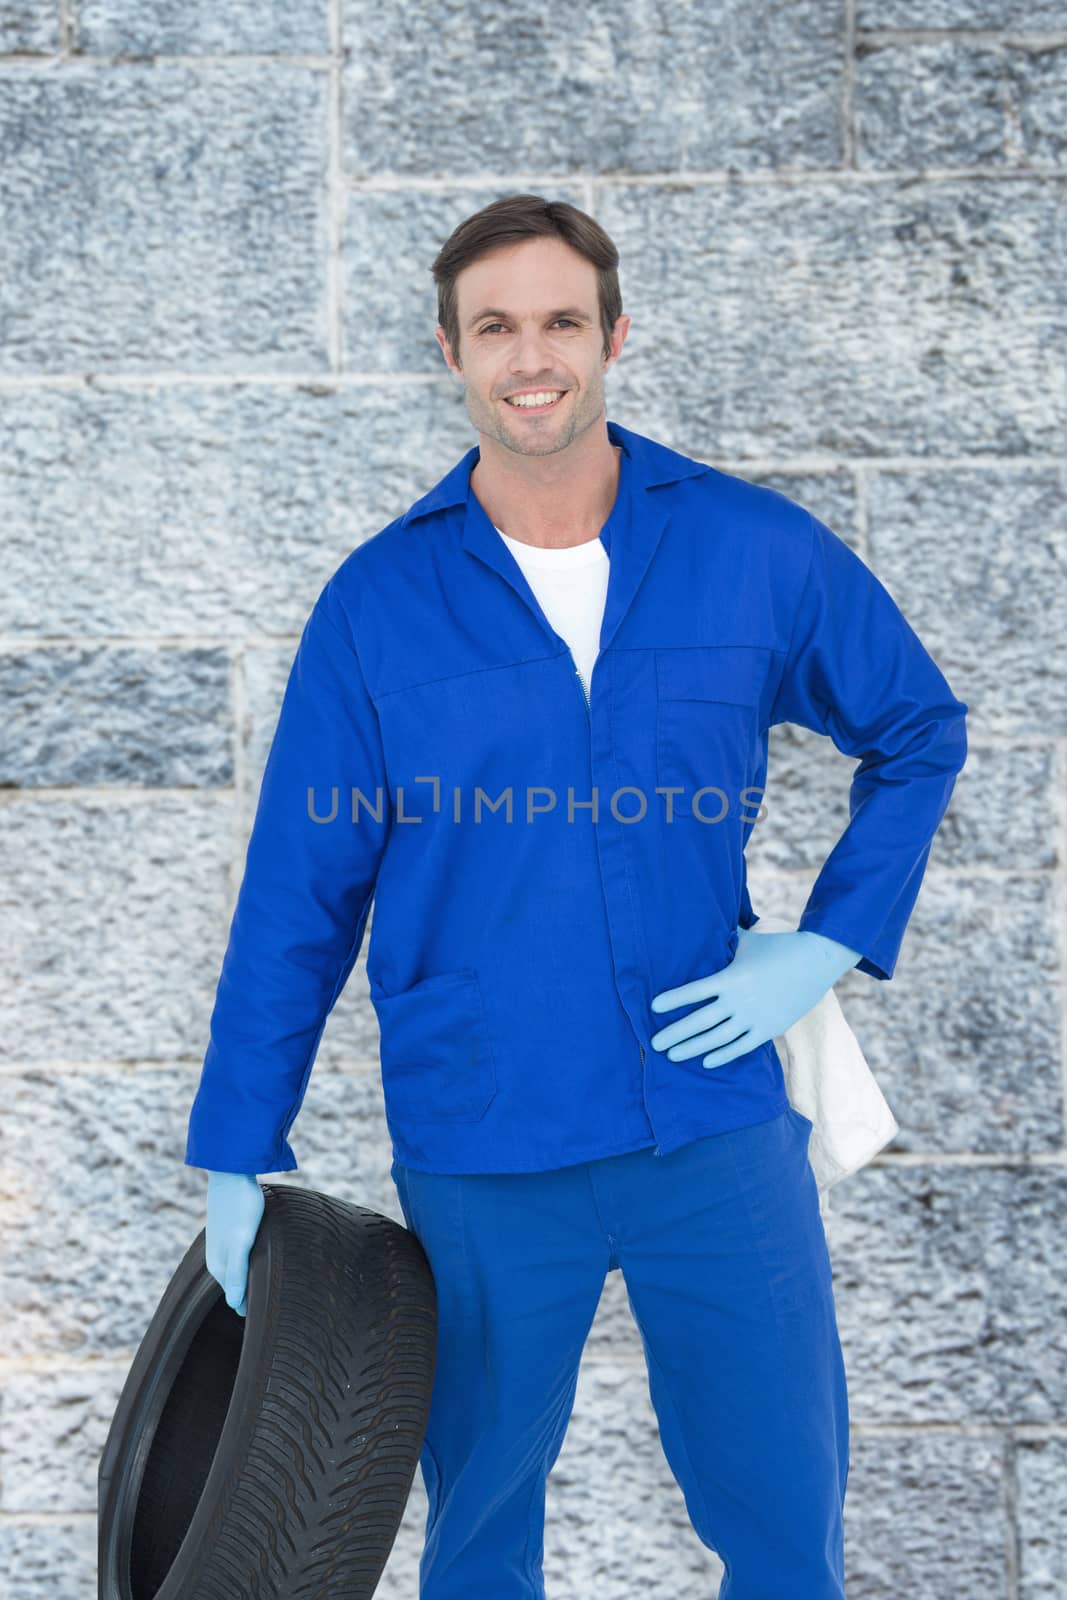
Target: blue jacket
[[434, 732]]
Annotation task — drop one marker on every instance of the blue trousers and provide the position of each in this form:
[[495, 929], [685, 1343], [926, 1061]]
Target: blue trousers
[[722, 1249]]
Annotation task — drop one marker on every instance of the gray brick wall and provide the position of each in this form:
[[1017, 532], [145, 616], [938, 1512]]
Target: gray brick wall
[[843, 242]]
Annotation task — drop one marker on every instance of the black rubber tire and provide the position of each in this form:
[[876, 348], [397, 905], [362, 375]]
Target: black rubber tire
[[271, 1456]]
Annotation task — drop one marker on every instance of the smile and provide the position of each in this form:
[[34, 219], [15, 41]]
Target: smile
[[538, 411]]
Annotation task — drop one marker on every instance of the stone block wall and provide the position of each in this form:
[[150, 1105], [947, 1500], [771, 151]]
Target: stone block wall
[[843, 234]]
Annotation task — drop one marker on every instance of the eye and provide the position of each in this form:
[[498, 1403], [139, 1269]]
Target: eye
[[569, 320]]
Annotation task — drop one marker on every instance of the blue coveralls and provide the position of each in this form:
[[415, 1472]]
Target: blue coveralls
[[727, 1272], [541, 864]]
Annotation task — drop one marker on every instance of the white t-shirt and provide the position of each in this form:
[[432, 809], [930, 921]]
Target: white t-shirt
[[571, 587]]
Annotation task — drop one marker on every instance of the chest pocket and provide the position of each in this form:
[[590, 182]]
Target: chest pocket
[[708, 700]]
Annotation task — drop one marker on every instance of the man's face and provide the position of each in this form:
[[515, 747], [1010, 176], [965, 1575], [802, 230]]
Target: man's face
[[529, 320]]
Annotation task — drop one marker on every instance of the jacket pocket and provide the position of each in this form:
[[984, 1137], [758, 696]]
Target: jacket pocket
[[708, 726], [437, 1062]]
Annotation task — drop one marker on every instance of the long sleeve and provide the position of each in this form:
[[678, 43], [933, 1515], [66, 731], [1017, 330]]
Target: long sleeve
[[856, 670], [302, 906]]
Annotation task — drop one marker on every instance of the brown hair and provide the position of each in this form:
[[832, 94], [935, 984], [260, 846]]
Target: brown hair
[[510, 220]]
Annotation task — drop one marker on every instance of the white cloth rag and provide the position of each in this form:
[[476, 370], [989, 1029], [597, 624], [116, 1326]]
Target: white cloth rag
[[829, 1082]]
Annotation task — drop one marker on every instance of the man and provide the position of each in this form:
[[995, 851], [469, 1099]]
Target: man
[[603, 629]]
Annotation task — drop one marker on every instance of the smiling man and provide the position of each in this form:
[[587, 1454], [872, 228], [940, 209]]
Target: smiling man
[[549, 470], [606, 629]]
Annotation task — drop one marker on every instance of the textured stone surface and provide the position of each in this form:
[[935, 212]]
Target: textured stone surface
[[216, 511], [956, 1313], [112, 27], [989, 547], [926, 1515], [970, 1045], [844, 256], [111, 911], [163, 216], [637, 96], [959, 104], [55, 1425], [1041, 1509], [115, 715], [1015, 16], [30, 26], [53, 1558], [903, 317]]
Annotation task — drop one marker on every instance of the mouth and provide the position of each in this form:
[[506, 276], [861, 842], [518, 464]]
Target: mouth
[[537, 411]]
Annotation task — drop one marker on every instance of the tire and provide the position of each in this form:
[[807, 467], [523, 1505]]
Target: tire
[[270, 1457]]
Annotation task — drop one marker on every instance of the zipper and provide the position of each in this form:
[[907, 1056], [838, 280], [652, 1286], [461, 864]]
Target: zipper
[[588, 711], [585, 692]]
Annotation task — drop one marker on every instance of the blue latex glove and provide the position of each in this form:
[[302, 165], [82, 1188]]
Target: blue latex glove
[[772, 981], [235, 1206]]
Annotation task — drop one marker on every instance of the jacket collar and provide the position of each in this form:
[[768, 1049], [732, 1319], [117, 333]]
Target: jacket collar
[[630, 535]]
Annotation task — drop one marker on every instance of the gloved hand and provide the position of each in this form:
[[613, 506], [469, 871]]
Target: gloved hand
[[235, 1206], [773, 979]]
